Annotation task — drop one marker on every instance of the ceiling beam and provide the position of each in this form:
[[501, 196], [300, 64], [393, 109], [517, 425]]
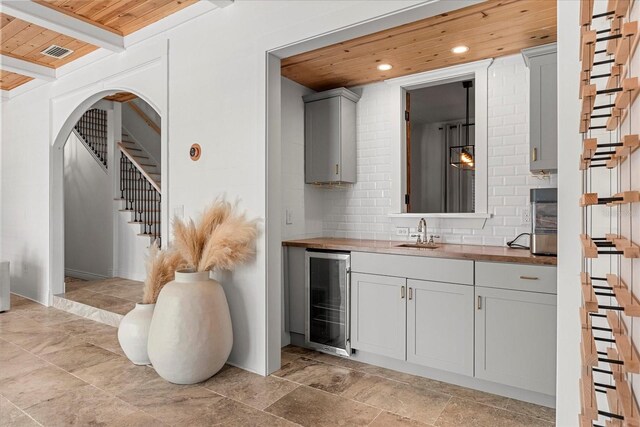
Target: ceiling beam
[[26, 68], [65, 24], [222, 3]]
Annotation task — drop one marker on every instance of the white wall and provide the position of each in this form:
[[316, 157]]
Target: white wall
[[305, 203], [88, 206], [569, 256], [216, 99], [362, 211]]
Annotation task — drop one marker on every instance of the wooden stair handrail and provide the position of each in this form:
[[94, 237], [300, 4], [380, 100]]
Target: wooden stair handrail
[[133, 160], [144, 117]]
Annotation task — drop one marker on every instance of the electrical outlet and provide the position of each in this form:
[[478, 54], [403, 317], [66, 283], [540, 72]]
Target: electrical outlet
[[178, 211], [289, 216], [526, 216], [402, 231]]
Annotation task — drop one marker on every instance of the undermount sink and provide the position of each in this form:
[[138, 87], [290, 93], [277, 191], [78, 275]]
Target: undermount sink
[[419, 245]]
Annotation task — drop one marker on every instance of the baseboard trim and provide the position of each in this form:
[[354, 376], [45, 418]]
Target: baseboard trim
[[84, 274], [130, 275]]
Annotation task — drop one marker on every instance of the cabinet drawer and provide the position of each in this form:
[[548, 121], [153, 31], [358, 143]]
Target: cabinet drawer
[[414, 267], [519, 277]]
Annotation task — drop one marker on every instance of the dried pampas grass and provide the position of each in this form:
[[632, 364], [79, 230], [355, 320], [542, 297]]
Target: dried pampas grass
[[161, 268], [222, 238]]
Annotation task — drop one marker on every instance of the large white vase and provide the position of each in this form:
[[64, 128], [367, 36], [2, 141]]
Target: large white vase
[[190, 337], [133, 333]]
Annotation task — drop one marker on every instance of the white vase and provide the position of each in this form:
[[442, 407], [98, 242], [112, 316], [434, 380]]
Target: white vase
[[133, 333], [190, 337]]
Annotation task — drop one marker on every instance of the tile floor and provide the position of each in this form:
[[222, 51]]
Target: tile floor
[[59, 369], [116, 295]]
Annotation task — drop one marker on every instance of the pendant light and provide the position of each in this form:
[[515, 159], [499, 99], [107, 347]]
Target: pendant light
[[462, 156]]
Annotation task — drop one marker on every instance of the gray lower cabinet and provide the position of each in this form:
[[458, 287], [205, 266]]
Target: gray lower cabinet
[[440, 325], [515, 338], [378, 314]]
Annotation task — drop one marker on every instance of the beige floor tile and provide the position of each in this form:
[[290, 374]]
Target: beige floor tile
[[463, 413], [18, 301], [170, 403], [339, 361], [410, 401], [106, 338], [47, 343], [12, 416], [49, 316], [137, 419], [543, 412], [249, 388], [81, 356], [38, 385], [310, 407], [130, 292], [81, 406], [229, 413], [98, 300], [16, 362], [387, 419], [464, 393], [330, 378], [118, 375], [83, 326]]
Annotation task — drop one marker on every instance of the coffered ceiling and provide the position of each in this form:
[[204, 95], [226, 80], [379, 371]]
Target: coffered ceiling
[[81, 26], [490, 29]]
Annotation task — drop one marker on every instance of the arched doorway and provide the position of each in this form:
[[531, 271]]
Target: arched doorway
[[108, 105]]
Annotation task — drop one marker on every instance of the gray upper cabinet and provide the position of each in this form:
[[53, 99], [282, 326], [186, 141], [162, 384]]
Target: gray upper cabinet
[[440, 325], [516, 338], [543, 107], [330, 137], [378, 314]]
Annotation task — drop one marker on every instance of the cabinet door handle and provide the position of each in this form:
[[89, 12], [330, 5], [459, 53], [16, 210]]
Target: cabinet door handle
[[410, 293], [534, 154], [337, 168], [529, 278], [402, 292], [479, 303]]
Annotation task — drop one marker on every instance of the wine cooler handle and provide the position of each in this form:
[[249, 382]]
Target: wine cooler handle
[[479, 306], [410, 293], [402, 292]]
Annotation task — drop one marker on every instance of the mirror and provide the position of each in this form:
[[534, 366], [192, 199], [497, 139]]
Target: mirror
[[440, 147]]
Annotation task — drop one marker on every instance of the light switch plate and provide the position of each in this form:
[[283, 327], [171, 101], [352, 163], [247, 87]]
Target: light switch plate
[[289, 216], [178, 211]]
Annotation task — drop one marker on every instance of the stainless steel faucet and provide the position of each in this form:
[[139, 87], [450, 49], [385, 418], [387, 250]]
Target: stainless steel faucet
[[422, 231]]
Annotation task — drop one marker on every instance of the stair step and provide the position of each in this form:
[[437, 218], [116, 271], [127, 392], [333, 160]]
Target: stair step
[[144, 223], [134, 211], [139, 157], [157, 236]]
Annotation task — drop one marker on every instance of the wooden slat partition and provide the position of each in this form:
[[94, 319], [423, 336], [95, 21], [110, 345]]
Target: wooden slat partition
[[627, 44], [588, 199], [588, 49], [588, 400], [627, 197], [627, 403], [588, 348], [630, 143], [616, 72], [615, 367], [586, 12], [616, 325], [625, 298], [615, 29], [615, 119], [628, 94], [589, 249], [618, 7], [589, 297], [629, 249], [589, 147]]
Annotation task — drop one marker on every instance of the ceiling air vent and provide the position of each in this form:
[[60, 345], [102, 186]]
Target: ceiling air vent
[[55, 51]]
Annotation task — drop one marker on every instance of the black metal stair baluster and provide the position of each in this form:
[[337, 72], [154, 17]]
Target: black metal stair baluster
[[130, 185], [121, 176]]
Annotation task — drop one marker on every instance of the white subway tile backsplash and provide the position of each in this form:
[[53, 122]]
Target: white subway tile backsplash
[[361, 210]]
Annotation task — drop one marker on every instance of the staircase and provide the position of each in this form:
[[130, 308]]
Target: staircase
[[139, 176], [140, 194]]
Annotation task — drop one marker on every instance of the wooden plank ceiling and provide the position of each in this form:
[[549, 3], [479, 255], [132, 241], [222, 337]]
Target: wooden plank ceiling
[[122, 17], [490, 29], [23, 40]]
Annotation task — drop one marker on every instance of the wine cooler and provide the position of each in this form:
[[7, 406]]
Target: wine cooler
[[328, 287]]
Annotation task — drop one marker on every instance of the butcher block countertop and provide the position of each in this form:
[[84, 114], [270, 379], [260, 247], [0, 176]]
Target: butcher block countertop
[[471, 252]]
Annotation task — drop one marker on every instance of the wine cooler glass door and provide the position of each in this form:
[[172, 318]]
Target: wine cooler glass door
[[327, 310]]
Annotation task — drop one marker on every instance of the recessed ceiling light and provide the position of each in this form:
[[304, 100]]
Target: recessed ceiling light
[[460, 49], [385, 67]]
